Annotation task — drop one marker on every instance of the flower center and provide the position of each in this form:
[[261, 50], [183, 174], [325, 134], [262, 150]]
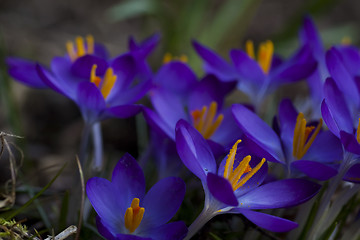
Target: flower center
[[133, 215], [204, 120], [265, 54], [107, 83], [81, 48], [237, 177], [168, 58], [302, 139]]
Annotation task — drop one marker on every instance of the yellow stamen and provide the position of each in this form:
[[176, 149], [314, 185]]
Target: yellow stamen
[[265, 54], [236, 177], [90, 44], [301, 140], [346, 41], [80, 50], [230, 160], [71, 51], [249, 175], [80, 46], [242, 168], [250, 49], [93, 78], [358, 132], [204, 121], [133, 215], [183, 58], [168, 58], [109, 81]]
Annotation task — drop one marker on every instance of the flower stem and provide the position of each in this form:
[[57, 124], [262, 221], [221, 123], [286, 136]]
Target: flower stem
[[98, 146], [205, 216], [84, 143], [325, 201]]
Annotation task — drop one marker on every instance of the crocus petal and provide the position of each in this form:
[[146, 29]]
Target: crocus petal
[[103, 230], [176, 77], [162, 202], [104, 197], [251, 75], [82, 66], [129, 179], [194, 151], [350, 143], [173, 231], [168, 105], [129, 95], [100, 51], [206, 91], [334, 109], [351, 58], [266, 221], [125, 68], [124, 111], [52, 82], [309, 35], [298, 67], [25, 72], [63, 76], [287, 118], [343, 79], [145, 47], [316, 170], [158, 124], [131, 237], [258, 131], [90, 101], [353, 174], [228, 131], [326, 148], [209, 89], [215, 64], [221, 189], [279, 194]]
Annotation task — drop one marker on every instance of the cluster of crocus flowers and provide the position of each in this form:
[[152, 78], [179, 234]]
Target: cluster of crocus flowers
[[189, 121], [260, 76]]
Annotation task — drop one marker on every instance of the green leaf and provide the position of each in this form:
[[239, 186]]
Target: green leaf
[[312, 214], [213, 236], [132, 8], [63, 211], [229, 16]]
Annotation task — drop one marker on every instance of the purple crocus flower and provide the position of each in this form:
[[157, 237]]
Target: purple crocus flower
[[178, 95], [126, 212], [341, 121], [100, 86], [298, 146], [260, 76], [235, 187]]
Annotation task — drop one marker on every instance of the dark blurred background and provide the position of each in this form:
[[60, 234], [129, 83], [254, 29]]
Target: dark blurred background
[[39, 29]]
